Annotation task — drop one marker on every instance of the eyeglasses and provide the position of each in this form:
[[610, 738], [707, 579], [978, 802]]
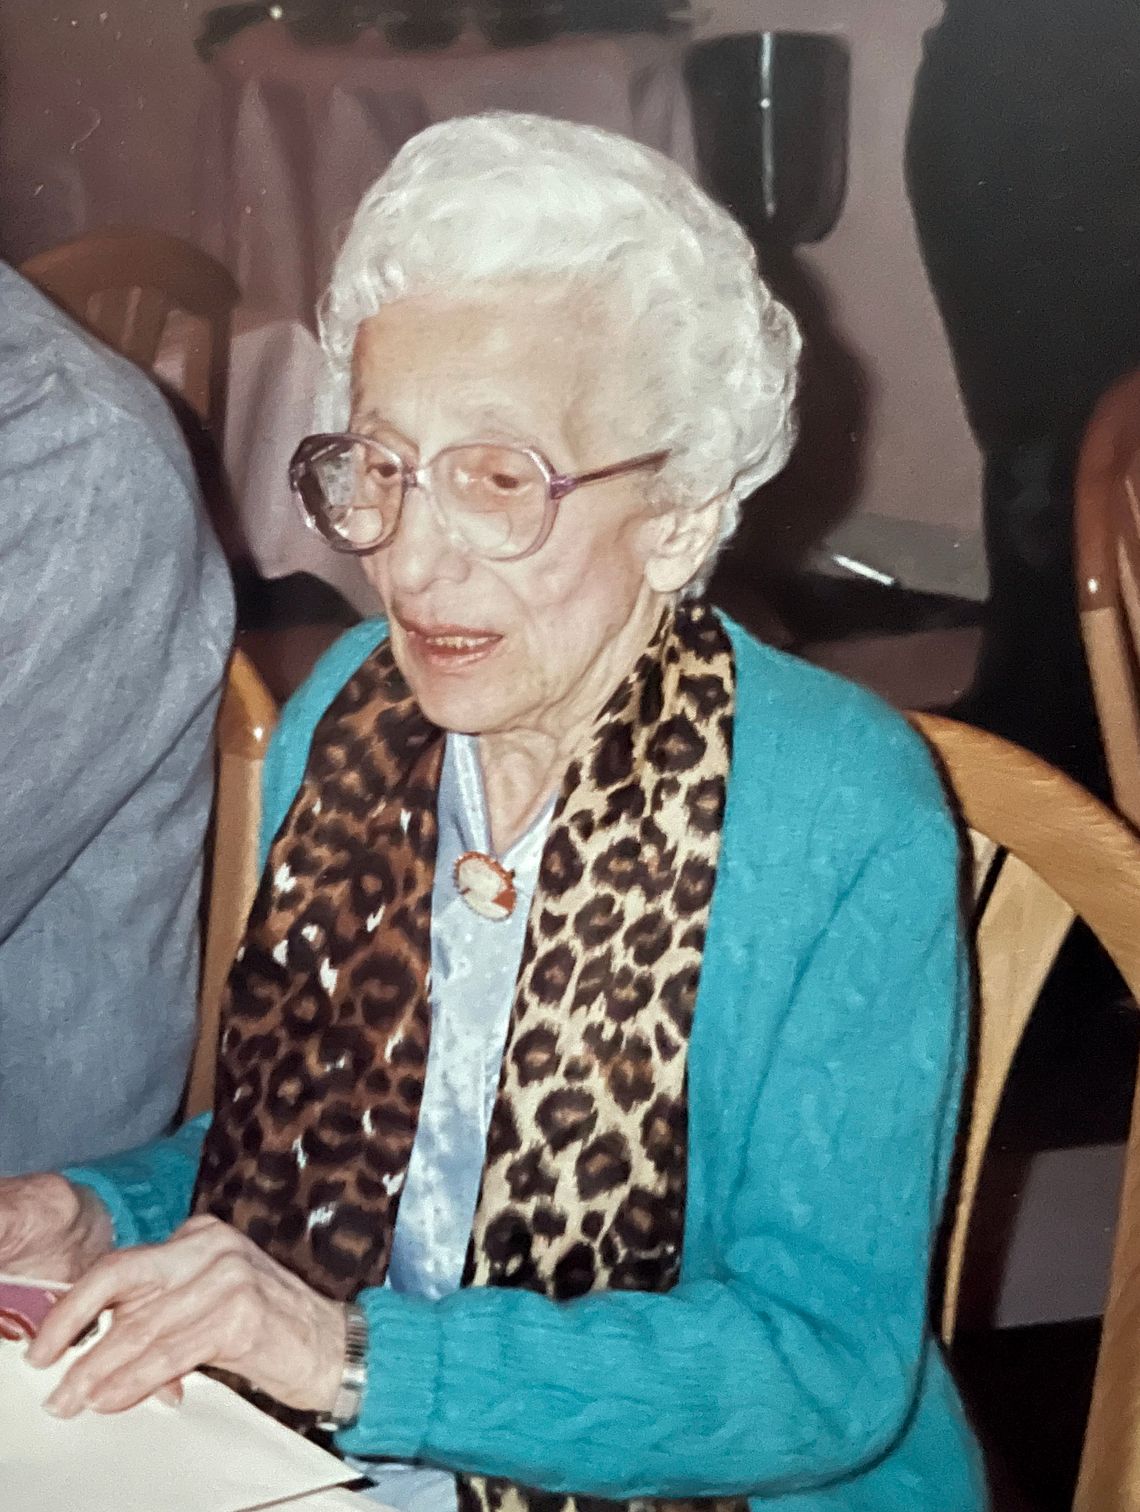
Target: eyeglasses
[[494, 500]]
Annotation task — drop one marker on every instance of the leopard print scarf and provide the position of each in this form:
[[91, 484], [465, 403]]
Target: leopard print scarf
[[326, 1017]]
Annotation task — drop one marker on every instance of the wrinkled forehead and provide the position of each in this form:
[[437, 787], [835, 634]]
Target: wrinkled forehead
[[548, 365]]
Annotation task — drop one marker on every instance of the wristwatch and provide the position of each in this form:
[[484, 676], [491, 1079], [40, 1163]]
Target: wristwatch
[[354, 1376]]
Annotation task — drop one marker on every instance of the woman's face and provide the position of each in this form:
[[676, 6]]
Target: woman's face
[[535, 644]]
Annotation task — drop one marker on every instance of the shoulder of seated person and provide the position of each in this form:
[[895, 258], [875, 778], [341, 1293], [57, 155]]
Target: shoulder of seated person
[[51, 368], [820, 734]]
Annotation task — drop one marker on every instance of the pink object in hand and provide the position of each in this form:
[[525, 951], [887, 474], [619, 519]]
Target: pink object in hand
[[24, 1305]]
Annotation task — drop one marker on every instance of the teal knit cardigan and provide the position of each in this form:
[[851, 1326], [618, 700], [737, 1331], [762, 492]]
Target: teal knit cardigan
[[793, 1362]]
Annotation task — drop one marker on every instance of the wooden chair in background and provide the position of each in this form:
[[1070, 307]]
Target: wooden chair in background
[[167, 307], [125, 286], [1108, 580], [246, 720], [1045, 852]]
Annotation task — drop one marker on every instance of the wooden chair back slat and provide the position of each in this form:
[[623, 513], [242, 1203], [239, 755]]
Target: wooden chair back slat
[[1107, 546], [246, 720], [1061, 855], [126, 285]]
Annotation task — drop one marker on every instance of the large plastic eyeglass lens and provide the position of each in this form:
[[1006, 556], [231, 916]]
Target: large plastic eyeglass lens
[[354, 493], [495, 497]]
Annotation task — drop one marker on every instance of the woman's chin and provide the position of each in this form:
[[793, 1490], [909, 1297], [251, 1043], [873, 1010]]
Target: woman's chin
[[468, 704], [446, 682]]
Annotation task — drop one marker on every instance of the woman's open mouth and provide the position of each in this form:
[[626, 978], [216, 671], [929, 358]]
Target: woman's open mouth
[[450, 646]]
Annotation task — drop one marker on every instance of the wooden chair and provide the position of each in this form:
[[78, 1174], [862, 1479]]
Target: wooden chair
[[127, 286], [1108, 580], [1046, 852], [246, 720]]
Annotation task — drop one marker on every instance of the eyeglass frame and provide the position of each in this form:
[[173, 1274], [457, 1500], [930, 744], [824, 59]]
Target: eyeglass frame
[[413, 475]]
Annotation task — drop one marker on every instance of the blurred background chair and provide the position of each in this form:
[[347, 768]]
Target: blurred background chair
[[126, 286], [1044, 853], [168, 307], [246, 720], [1108, 580]]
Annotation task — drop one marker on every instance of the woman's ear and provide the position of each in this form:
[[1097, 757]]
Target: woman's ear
[[679, 541]]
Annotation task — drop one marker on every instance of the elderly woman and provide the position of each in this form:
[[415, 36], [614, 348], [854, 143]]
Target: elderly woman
[[589, 1070]]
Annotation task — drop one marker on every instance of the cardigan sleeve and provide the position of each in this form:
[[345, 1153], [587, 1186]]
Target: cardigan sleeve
[[147, 1191], [794, 1356]]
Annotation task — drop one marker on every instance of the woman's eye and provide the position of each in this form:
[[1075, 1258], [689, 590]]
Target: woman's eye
[[504, 482]]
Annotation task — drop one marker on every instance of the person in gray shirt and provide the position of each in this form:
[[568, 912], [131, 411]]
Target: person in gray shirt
[[116, 616]]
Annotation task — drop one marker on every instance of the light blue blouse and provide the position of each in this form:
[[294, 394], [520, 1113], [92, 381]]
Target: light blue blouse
[[474, 967]]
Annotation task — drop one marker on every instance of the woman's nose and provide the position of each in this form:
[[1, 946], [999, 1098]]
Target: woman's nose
[[421, 551]]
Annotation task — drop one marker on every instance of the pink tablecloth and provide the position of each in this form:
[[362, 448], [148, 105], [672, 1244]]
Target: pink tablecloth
[[294, 135]]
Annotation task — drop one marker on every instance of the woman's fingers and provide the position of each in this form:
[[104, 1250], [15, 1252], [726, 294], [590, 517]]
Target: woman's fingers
[[206, 1297], [143, 1377], [129, 1279], [145, 1350], [116, 1278], [149, 1372]]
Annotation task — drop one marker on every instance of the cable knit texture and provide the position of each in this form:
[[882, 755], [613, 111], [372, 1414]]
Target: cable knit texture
[[793, 1362]]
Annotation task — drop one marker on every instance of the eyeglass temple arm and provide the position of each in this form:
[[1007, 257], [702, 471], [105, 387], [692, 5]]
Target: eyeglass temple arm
[[561, 485]]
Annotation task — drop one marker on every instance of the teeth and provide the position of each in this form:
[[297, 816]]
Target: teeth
[[459, 642]]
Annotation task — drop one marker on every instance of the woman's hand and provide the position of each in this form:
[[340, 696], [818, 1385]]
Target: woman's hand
[[51, 1229], [208, 1296]]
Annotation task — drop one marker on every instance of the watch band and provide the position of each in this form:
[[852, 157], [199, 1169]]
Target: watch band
[[354, 1376]]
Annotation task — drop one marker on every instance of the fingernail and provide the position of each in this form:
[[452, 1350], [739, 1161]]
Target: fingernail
[[63, 1405]]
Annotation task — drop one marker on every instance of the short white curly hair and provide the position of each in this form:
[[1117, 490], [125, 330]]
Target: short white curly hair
[[481, 199]]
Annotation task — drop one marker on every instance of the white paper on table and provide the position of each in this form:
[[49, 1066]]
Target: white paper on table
[[214, 1453]]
